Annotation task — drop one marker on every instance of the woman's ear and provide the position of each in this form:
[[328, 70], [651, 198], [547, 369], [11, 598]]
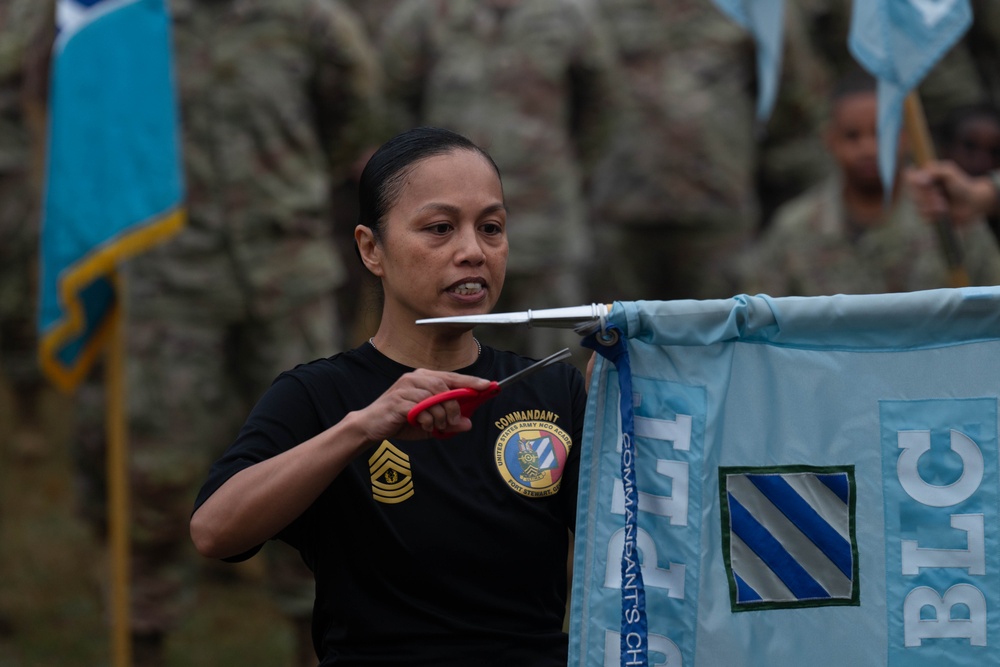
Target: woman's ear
[[368, 250]]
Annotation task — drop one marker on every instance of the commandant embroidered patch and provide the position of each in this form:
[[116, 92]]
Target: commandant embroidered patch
[[531, 457]]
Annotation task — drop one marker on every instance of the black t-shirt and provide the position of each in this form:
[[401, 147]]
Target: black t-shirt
[[432, 552]]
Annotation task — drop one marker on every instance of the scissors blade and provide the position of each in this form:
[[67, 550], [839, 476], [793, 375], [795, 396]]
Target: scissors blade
[[558, 318], [537, 366]]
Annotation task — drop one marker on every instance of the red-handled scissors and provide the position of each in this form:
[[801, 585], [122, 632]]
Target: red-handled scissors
[[469, 399]]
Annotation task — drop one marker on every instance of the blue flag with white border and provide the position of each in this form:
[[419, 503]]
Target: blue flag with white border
[[899, 42], [114, 184], [809, 477], [765, 21]]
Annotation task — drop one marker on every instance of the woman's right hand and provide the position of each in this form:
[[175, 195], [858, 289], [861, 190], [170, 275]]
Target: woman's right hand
[[387, 416]]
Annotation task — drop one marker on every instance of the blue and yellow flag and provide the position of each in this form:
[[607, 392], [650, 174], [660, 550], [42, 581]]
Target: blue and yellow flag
[[778, 482], [114, 183], [899, 42]]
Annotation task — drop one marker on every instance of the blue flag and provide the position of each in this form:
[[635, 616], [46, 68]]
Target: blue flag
[[114, 184], [899, 42], [810, 481], [765, 21]]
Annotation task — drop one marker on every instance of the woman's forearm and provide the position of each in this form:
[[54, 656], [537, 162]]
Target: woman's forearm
[[258, 502]]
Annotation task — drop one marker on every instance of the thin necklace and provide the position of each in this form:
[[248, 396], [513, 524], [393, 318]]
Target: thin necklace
[[479, 346]]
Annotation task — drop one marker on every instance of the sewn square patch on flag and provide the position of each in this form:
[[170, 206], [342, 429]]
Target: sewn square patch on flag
[[789, 536]]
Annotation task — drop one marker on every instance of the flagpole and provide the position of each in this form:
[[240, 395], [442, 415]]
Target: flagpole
[[915, 123], [118, 493]]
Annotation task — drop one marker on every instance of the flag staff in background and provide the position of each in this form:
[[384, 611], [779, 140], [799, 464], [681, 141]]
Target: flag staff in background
[[899, 41], [915, 122], [113, 189]]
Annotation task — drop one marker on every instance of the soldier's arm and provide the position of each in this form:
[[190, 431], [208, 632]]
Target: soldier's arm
[[942, 188], [259, 501]]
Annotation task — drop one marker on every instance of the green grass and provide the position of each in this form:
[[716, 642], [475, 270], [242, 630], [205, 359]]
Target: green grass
[[52, 574]]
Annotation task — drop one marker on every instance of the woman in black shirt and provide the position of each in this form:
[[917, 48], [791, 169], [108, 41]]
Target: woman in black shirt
[[426, 550]]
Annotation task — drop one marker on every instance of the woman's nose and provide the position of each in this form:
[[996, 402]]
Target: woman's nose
[[470, 247]]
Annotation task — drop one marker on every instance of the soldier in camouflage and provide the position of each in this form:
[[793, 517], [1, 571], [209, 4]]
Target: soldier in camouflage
[[675, 199], [839, 237], [278, 99], [358, 297], [531, 82]]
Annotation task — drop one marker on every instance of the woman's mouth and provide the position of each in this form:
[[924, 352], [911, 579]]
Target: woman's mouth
[[466, 288]]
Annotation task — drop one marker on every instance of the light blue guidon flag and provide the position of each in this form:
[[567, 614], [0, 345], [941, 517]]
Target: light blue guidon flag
[[114, 183], [809, 481], [764, 19], [899, 41]]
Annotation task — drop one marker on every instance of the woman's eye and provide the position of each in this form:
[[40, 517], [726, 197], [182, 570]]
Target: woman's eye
[[440, 228], [492, 229]]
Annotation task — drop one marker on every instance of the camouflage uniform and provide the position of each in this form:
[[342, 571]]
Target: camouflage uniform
[[983, 40], [676, 196], [531, 82], [358, 297], [21, 22], [812, 249], [278, 99], [374, 13]]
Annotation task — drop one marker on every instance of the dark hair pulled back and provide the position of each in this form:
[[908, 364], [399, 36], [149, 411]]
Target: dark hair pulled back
[[383, 176]]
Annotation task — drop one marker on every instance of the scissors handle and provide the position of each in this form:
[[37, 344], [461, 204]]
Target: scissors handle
[[468, 400]]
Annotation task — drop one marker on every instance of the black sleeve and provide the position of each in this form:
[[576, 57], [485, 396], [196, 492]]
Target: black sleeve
[[283, 418]]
